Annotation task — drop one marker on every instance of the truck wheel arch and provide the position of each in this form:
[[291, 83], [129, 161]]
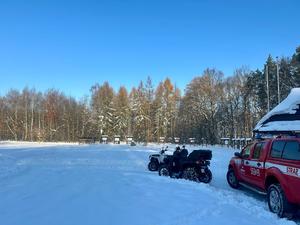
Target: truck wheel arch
[[270, 179], [232, 167]]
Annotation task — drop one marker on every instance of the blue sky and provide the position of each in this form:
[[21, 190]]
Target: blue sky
[[71, 45]]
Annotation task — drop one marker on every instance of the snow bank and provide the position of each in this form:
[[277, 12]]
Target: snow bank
[[28, 144]]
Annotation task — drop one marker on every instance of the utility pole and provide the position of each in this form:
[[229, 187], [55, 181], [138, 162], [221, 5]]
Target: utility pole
[[268, 93], [278, 89]]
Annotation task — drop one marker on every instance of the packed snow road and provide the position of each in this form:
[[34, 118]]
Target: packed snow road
[[57, 184]]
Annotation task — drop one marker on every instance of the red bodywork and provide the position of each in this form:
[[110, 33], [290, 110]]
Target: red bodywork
[[261, 170]]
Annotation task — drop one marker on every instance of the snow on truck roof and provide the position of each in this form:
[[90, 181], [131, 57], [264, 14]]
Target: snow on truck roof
[[284, 117]]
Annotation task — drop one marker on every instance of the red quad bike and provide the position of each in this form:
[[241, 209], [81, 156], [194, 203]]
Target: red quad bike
[[272, 168]]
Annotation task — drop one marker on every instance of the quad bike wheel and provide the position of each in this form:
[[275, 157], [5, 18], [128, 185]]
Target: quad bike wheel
[[153, 166], [164, 171], [190, 173], [206, 177]]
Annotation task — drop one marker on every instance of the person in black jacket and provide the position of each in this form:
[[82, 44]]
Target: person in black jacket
[[177, 151], [176, 158], [183, 153]]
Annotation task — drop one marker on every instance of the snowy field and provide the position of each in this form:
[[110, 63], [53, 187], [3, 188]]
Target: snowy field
[[70, 184]]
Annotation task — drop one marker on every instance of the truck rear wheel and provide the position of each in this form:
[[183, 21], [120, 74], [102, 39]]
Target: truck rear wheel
[[277, 201], [232, 179]]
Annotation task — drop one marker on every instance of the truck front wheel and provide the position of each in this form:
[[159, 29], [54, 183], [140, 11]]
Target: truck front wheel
[[277, 201], [232, 179]]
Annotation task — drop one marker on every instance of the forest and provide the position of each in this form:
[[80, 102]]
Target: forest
[[212, 106]]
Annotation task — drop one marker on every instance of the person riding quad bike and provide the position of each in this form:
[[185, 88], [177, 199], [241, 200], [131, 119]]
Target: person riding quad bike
[[176, 158], [179, 155], [184, 152]]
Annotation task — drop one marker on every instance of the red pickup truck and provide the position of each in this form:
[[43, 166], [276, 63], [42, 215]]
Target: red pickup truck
[[270, 167]]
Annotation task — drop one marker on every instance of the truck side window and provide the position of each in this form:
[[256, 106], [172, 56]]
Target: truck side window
[[277, 148], [291, 151], [246, 151], [258, 150]]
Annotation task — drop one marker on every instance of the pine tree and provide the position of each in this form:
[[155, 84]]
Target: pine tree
[[122, 113], [166, 105], [287, 79], [139, 113], [102, 109], [149, 97], [272, 74], [295, 64]]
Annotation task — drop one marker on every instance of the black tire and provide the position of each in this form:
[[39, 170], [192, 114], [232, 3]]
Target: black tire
[[153, 166], [277, 201], [190, 173], [164, 171], [207, 177], [232, 179]]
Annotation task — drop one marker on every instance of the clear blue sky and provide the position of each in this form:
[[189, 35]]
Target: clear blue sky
[[71, 45]]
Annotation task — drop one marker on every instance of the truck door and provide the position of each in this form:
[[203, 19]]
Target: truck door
[[285, 156], [254, 166], [245, 157]]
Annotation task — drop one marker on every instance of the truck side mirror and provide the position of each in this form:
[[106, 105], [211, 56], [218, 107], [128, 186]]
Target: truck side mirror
[[238, 154]]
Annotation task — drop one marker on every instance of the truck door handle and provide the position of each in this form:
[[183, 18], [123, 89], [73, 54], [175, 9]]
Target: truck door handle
[[258, 164], [247, 162]]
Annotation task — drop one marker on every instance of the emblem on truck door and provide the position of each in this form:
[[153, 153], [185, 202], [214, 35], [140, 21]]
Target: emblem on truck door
[[255, 171]]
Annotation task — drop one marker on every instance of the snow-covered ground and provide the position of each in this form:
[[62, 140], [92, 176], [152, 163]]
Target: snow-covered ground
[[69, 184]]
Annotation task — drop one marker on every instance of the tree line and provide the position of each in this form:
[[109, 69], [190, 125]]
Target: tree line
[[212, 106]]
